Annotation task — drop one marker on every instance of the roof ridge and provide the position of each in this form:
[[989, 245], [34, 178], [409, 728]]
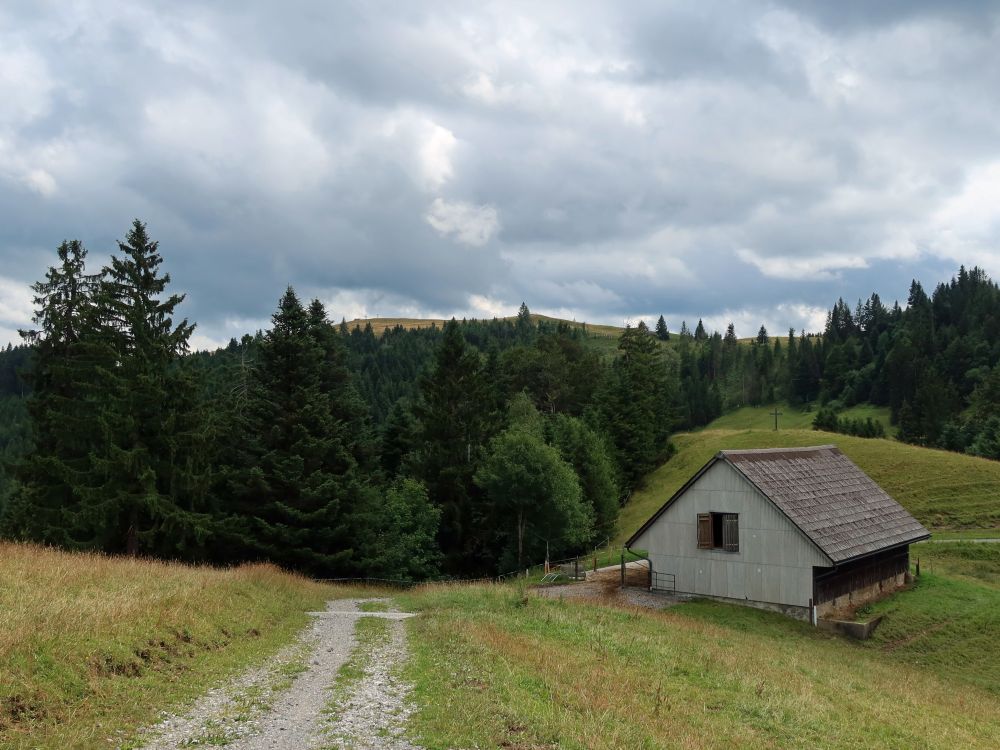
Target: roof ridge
[[751, 451]]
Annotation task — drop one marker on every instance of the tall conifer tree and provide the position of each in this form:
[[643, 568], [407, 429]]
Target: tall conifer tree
[[636, 404], [291, 497], [147, 485], [453, 429], [61, 404], [662, 332]]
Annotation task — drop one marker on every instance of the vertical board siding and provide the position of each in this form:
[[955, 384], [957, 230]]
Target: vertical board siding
[[774, 562], [870, 571]]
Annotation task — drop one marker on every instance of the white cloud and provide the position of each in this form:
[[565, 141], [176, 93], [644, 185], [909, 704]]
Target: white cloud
[[747, 321], [485, 306], [199, 342], [423, 147], [824, 266], [832, 74], [482, 88], [465, 222], [264, 130], [26, 85], [966, 228], [15, 305], [41, 182], [435, 153]]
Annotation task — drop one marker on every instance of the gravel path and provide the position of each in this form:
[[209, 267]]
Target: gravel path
[[280, 705], [374, 714]]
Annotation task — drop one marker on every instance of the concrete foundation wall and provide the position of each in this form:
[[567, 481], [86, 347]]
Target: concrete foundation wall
[[790, 610], [847, 603]]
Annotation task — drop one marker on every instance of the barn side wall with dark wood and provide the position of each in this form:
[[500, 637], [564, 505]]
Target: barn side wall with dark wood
[[853, 584]]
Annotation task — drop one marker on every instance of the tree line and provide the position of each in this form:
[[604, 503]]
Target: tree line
[[466, 449]]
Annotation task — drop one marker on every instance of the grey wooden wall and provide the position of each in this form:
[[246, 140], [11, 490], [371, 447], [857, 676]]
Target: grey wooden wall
[[775, 560]]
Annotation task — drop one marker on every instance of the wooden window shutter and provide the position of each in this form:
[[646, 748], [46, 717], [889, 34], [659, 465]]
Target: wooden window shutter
[[731, 532], [704, 531]]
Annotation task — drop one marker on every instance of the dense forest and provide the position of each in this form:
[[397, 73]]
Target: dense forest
[[472, 448]]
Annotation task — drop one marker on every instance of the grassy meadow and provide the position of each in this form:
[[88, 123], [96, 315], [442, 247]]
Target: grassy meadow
[[944, 490], [92, 647], [522, 671], [760, 418]]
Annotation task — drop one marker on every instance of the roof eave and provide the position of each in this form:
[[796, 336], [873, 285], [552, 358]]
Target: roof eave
[[897, 545]]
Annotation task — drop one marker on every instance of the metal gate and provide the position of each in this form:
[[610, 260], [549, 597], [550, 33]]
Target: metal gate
[[664, 582]]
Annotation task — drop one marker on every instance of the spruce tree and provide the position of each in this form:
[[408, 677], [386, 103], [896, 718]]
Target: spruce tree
[[348, 409], [453, 430], [291, 497], [636, 402], [700, 334], [662, 333], [146, 488], [62, 404]]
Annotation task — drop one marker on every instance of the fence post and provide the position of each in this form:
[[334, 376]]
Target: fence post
[[576, 569], [623, 570]]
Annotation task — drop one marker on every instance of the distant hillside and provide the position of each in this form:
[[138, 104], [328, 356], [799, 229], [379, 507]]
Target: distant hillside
[[943, 490], [380, 324], [598, 329]]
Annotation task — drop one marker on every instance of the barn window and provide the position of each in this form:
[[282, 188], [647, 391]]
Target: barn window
[[719, 531]]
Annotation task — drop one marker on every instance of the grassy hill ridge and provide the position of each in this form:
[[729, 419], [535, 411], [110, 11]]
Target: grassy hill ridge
[[380, 324], [944, 490], [600, 330]]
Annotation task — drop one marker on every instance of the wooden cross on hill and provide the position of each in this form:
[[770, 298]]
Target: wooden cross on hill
[[776, 414]]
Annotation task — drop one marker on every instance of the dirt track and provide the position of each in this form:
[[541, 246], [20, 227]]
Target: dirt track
[[262, 710]]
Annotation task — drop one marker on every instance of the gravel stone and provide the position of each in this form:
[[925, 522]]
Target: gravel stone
[[256, 711], [375, 714]]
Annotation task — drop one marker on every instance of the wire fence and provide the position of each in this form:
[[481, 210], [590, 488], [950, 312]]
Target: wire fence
[[602, 556]]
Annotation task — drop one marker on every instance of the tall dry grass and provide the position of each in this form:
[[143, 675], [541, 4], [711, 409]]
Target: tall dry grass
[[523, 671], [92, 647]]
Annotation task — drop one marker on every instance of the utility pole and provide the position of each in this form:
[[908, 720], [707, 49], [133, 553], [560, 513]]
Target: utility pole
[[776, 414]]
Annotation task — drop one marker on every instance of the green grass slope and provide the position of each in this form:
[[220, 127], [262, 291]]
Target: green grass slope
[[943, 490], [92, 647], [522, 671], [760, 417]]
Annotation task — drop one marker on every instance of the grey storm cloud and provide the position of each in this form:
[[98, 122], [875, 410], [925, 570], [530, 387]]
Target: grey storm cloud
[[603, 161]]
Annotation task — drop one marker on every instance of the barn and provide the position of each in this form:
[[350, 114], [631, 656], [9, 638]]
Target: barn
[[800, 530]]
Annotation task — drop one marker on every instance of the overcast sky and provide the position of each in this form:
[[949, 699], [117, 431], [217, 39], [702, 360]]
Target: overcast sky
[[601, 161]]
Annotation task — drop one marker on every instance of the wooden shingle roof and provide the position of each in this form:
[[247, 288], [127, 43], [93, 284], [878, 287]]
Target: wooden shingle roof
[[839, 507]]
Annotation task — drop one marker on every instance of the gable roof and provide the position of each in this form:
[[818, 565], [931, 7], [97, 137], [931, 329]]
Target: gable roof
[[835, 504]]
